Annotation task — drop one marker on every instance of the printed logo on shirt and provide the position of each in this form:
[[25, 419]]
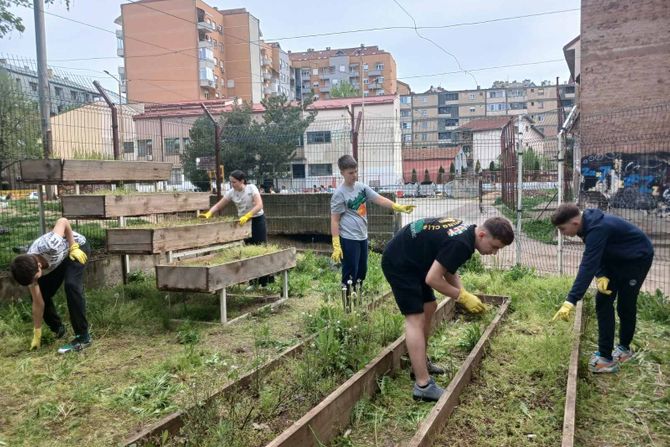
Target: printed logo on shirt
[[453, 226], [358, 204]]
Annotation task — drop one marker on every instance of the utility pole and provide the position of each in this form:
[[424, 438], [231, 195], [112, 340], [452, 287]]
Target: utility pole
[[121, 138], [44, 93], [217, 150]]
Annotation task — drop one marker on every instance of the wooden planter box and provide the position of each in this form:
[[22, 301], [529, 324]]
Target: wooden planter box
[[108, 206], [56, 171], [210, 279], [160, 240]]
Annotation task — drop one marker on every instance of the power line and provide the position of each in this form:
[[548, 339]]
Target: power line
[[435, 43]]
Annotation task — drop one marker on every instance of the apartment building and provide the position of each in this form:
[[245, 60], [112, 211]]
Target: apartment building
[[276, 71], [431, 117], [67, 91], [366, 68], [180, 50]]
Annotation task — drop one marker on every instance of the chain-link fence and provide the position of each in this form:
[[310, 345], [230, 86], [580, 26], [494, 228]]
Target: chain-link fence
[[470, 172]]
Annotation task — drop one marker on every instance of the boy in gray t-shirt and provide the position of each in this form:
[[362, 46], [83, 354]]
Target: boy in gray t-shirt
[[349, 221]]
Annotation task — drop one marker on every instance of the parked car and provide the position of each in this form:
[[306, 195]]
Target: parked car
[[33, 196]]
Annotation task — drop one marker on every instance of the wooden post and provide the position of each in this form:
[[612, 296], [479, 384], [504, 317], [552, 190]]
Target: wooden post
[[285, 284], [125, 260], [222, 304]]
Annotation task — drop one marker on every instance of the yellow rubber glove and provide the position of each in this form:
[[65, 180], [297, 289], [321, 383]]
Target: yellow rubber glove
[[602, 283], [205, 215], [337, 250], [37, 339], [244, 219], [398, 208], [564, 312], [76, 254], [471, 303]]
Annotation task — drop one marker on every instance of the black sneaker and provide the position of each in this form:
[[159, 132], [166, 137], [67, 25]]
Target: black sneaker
[[77, 344], [429, 393], [433, 369], [60, 333]]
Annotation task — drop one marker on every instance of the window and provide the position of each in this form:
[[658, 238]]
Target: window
[[497, 94], [144, 148], [315, 71], [540, 91], [517, 105], [176, 177], [424, 99], [230, 83], [214, 42], [496, 107], [216, 60], [320, 169], [58, 91], [171, 146], [379, 67], [569, 89], [366, 81], [305, 73], [315, 84], [365, 67], [33, 86], [540, 104], [405, 113], [423, 112], [128, 147], [471, 96], [407, 138], [424, 125], [540, 118], [73, 95], [406, 125], [318, 137], [451, 96], [472, 109], [568, 102], [424, 137], [380, 80], [405, 100], [450, 122], [516, 92], [380, 92], [186, 141], [444, 136], [298, 171], [205, 54], [343, 68]]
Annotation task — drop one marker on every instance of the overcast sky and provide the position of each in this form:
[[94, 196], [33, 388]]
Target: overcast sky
[[420, 63]]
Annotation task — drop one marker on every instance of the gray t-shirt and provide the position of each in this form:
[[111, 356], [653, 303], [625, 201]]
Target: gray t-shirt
[[54, 248], [243, 200], [351, 204]]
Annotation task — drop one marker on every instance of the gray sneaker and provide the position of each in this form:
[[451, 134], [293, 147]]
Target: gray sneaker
[[430, 393]]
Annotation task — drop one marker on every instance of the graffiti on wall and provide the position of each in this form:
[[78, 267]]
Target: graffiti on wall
[[635, 181]]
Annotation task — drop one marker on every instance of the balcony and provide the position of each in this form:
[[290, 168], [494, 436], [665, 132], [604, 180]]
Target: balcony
[[354, 74], [268, 90], [120, 52], [119, 34], [267, 76], [266, 61], [208, 27], [209, 83], [206, 63], [374, 72], [374, 85], [206, 44]]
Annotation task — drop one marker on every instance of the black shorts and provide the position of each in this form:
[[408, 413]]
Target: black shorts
[[409, 289]]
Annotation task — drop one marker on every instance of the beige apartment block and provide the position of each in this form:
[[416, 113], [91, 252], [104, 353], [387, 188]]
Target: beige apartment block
[[366, 68], [181, 50]]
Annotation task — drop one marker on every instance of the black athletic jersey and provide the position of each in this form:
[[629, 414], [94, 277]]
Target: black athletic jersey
[[445, 240]]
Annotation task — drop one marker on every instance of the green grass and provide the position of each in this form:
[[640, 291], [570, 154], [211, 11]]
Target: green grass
[[538, 228]]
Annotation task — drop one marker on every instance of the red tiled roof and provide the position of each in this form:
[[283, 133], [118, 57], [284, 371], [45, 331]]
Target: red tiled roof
[[431, 153], [482, 124], [191, 108]]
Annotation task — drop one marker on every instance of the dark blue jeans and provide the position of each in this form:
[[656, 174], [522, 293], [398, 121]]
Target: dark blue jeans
[[354, 260]]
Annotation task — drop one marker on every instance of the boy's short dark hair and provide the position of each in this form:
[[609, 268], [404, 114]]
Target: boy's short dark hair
[[499, 228], [346, 162], [24, 268], [564, 213]]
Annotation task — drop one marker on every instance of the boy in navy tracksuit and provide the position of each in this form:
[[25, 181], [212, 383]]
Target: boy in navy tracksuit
[[619, 255]]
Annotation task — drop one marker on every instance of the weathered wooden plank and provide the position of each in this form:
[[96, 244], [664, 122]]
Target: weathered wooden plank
[[188, 278], [568, 437], [107, 171], [171, 238], [42, 171], [321, 424], [56, 171], [437, 418], [108, 206]]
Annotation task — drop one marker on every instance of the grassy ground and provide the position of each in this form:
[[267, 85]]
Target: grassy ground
[[139, 367]]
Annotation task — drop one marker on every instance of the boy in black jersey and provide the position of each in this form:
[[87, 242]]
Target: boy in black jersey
[[426, 255]]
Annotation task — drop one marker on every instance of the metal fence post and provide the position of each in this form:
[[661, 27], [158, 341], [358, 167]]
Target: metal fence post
[[519, 189]]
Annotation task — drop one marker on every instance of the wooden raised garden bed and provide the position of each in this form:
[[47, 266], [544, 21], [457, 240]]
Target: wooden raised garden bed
[[195, 275], [99, 206], [56, 171], [155, 240]]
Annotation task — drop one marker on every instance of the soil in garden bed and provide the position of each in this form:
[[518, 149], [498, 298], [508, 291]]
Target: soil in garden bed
[[231, 254], [392, 416], [344, 344], [182, 222]]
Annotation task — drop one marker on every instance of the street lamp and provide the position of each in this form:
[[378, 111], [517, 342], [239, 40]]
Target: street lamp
[[121, 137]]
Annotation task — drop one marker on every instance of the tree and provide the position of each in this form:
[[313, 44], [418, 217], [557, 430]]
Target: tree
[[261, 150], [478, 167], [20, 129], [452, 171], [440, 176], [415, 178], [426, 177], [492, 166], [10, 22], [344, 90]]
